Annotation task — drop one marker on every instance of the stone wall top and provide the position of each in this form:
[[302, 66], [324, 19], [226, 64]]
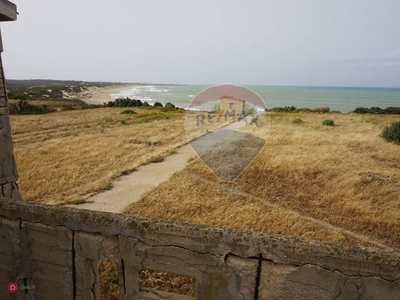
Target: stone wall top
[[8, 11], [348, 259]]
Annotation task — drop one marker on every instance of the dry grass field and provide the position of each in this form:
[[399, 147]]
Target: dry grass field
[[334, 183], [65, 157]]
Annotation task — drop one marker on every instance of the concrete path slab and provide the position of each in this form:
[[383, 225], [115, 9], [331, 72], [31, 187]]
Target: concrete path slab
[[128, 189]]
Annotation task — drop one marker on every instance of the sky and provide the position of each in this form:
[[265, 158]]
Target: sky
[[270, 42]]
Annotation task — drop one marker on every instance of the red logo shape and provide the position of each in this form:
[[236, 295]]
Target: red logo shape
[[12, 287]]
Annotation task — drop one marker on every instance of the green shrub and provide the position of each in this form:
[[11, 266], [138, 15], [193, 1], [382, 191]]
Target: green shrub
[[392, 110], [328, 122], [284, 109], [297, 121], [391, 133], [169, 105], [124, 102], [123, 121], [157, 104], [322, 110], [377, 110], [23, 107], [305, 109], [128, 112], [361, 110]]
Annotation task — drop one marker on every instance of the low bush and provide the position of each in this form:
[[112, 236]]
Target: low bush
[[23, 107], [391, 133], [128, 112], [295, 109], [297, 121], [392, 110], [322, 109], [169, 105], [328, 122], [157, 104], [377, 110], [284, 109], [124, 102]]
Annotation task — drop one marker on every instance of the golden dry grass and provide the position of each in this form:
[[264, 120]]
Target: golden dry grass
[[167, 282], [109, 280], [65, 157], [338, 184]]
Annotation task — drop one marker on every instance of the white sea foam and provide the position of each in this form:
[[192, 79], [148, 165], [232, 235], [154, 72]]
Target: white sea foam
[[136, 93]]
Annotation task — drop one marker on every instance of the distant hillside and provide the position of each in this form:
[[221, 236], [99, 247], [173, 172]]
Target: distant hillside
[[45, 89]]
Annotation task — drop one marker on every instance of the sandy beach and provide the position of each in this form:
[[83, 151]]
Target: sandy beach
[[101, 95]]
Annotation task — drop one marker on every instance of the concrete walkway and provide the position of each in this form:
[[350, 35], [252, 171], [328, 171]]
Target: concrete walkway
[[128, 189]]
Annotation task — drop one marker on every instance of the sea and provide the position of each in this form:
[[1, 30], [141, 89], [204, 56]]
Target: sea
[[343, 99]]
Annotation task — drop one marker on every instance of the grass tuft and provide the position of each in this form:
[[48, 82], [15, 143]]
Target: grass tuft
[[328, 122]]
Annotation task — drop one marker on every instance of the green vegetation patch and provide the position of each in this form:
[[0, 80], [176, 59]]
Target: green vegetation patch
[[128, 112], [328, 122], [391, 133], [378, 110]]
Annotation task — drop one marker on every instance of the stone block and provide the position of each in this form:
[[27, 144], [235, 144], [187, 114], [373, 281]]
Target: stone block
[[97, 247], [3, 101], [8, 11], [87, 279], [7, 167], [128, 252], [10, 253], [147, 294], [48, 260], [279, 281], [369, 288], [48, 289], [4, 111], [131, 282], [55, 237], [245, 270], [178, 256], [9, 237]]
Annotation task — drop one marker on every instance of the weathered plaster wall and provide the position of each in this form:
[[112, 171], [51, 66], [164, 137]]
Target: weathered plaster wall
[[56, 249], [8, 169]]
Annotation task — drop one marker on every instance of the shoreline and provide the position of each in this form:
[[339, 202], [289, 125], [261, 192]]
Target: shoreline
[[101, 95]]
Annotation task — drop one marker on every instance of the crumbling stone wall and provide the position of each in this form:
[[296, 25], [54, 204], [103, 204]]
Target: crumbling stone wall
[[56, 249], [8, 169]]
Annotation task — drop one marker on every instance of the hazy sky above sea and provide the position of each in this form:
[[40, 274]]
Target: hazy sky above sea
[[312, 43]]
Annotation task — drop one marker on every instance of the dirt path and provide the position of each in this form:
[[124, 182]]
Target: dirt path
[[130, 188]]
